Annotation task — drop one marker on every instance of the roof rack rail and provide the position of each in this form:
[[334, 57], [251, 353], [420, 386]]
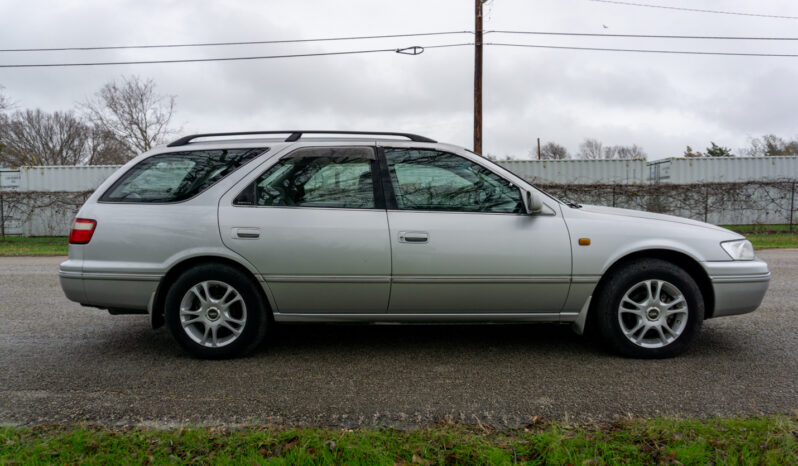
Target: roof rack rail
[[295, 135]]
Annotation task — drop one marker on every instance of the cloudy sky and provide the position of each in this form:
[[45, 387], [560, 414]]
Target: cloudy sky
[[660, 102]]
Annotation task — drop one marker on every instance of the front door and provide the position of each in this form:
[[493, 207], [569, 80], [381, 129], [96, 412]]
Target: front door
[[316, 229], [462, 243]]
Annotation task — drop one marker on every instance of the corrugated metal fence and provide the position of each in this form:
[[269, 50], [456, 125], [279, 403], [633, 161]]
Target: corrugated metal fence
[[64, 178], [54, 215], [722, 169], [579, 171]]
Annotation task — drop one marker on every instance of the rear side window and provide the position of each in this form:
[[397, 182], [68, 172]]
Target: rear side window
[[340, 177], [177, 176]]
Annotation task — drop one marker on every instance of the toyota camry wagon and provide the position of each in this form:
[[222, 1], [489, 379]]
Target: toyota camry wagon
[[218, 237]]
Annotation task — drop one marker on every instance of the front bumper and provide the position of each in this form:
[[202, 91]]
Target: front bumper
[[739, 286]]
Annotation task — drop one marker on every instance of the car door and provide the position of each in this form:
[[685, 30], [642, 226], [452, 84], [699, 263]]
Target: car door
[[462, 242], [314, 225]]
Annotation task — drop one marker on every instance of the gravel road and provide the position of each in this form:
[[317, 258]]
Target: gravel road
[[62, 363]]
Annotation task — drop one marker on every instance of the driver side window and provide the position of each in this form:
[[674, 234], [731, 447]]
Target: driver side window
[[439, 181]]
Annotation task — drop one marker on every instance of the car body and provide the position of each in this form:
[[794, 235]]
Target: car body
[[355, 229]]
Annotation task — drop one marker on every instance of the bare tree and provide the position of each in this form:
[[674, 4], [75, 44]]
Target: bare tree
[[770, 145], [496, 158], [629, 152], [611, 152], [4, 103], [591, 149], [688, 152], [104, 148], [133, 111], [553, 151], [33, 137]]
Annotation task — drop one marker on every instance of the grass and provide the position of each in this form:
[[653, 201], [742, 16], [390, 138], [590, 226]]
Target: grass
[[762, 440], [768, 236], [34, 246], [764, 241], [760, 228]]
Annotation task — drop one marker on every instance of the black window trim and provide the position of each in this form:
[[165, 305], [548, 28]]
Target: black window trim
[[102, 199], [377, 181], [391, 194]]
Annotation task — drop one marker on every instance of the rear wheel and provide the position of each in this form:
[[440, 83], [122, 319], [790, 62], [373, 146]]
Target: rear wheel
[[650, 308], [215, 311]]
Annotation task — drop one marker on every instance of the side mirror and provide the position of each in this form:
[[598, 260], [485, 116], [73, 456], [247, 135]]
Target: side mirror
[[532, 202]]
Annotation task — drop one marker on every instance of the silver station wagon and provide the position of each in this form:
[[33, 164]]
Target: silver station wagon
[[219, 236]]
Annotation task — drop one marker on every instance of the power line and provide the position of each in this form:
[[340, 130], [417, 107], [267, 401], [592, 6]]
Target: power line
[[215, 44], [695, 10], [415, 51], [386, 36], [259, 57], [640, 36], [676, 52]]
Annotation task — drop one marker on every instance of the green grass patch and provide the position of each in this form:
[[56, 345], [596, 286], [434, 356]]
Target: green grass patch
[[768, 236], [762, 228], [773, 240], [34, 246], [764, 440]]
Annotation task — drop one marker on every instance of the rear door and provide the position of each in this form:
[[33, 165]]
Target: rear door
[[315, 226], [461, 242]]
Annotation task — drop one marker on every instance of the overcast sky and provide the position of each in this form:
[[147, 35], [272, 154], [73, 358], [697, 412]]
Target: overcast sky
[[660, 102]]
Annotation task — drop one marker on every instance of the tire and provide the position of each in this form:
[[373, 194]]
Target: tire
[[231, 323], [650, 309]]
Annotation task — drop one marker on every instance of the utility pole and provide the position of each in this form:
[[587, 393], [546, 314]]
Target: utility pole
[[538, 148], [478, 78]]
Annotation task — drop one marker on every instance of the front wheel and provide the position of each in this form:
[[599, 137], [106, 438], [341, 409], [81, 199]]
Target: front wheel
[[650, 308], [215, 311]]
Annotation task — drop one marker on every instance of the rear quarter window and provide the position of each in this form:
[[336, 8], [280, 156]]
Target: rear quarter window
[[177, 176]]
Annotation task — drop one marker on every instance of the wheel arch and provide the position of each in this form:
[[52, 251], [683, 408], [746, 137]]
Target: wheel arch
[[177, 269], [686, 262]]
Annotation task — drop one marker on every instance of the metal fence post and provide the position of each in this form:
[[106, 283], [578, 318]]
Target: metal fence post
[[3, 218], [706, 204], [792, 204], [613, 195]]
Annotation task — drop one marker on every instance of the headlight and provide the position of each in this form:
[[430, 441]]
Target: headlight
[[739, 250]]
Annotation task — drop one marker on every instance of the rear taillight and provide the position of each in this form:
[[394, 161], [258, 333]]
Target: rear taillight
[[81, 232]]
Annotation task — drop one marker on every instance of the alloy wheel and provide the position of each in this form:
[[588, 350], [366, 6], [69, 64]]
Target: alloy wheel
[[213, 313], [653, 313]]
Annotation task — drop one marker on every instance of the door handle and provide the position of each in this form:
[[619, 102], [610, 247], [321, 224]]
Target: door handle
[[246, 233], [413, 236]]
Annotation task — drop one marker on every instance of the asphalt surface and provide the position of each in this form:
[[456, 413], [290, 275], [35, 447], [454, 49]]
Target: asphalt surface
[[62, 363]]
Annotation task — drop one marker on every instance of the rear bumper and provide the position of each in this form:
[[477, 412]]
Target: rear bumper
[[109, 290], [739, 286]]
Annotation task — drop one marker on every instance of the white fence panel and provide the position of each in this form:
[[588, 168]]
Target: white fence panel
[[723, 169], [578, 171], [64, 178]]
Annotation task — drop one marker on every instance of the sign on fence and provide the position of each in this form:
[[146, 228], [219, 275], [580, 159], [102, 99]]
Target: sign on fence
[[9, 179]]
